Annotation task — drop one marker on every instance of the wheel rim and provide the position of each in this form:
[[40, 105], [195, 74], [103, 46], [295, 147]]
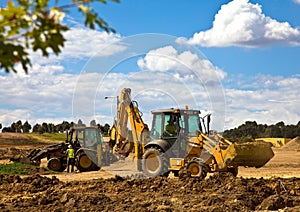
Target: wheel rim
[[194, 169], [85, 161], [54, 165], [152, 163]]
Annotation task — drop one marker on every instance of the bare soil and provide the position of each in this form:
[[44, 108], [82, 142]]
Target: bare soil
[[276, 186]]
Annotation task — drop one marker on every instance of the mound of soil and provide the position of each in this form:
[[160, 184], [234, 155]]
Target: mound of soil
[[12, 152], [14, 139], [220, 192], [292, 145]]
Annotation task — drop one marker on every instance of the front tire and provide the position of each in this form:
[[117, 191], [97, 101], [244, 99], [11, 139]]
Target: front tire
[[196, 168], [55, 164], [154, 163]]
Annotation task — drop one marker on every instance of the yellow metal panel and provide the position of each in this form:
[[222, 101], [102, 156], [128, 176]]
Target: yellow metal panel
[[176, 163]]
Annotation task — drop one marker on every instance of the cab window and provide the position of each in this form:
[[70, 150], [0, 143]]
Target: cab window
[[156, 126], [193, 124]]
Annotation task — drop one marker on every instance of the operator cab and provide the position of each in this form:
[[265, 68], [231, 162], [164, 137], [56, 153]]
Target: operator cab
[[88, 137], [170, 123]]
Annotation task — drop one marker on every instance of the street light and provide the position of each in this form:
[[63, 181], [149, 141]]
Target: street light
[[113, 97]]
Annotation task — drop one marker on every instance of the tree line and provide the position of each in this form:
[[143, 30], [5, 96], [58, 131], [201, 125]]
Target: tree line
[[19, 127], [251, 130]]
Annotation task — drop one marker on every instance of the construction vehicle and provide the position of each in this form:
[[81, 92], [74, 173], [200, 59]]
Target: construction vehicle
[[90, 151], [190, 148], [122, 140], [276, 142]]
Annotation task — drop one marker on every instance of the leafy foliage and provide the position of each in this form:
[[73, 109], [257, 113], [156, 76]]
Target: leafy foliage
[[47, 128], [251, 130], [34, 25]]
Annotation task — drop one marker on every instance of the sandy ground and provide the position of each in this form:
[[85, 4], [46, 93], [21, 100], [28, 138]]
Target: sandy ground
[[274, 187], [284, 164]]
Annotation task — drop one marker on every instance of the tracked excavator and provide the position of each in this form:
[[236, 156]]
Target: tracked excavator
[[181, 142], [90, 151]]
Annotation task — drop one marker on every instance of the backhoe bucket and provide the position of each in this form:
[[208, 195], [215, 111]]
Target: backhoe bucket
[[250, 154]]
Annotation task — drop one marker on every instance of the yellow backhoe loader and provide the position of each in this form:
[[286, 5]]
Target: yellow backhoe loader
[[90, 151], [180, 141]]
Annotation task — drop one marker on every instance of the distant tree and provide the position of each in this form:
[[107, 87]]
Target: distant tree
[[35, 128], [45, 127], [26, 127], [13, 127], [273, 131], [18, 126], [105, 129], [7, 129], [51, 128], [253, 130], [63, 126], [41, 129], [0, 126], [93, 123]]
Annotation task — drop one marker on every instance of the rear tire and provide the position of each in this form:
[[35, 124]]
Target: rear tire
[[55, 164], [154, 163]]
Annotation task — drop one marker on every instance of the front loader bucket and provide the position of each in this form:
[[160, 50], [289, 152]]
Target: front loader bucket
[[250, 154]]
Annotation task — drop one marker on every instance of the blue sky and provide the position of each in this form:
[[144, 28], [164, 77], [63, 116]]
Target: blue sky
[[251, 70]]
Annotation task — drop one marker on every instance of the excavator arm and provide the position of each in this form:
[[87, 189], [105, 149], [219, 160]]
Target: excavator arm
[[124, 139]]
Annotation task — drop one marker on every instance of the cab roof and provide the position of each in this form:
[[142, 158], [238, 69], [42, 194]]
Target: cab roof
[[176, 110]]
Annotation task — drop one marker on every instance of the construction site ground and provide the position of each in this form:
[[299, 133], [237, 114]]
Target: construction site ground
[[276, 186]]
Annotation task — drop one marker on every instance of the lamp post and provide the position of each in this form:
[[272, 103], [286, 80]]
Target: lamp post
[[113, 97]]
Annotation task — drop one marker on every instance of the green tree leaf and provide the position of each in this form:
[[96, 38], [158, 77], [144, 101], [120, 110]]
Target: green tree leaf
[[33, 25]]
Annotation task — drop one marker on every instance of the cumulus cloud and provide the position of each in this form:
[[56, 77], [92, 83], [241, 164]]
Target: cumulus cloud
[[86, 43], [186, 64], [297, 1], [45, 92], [241, 23], [81, 44], [267, 103]]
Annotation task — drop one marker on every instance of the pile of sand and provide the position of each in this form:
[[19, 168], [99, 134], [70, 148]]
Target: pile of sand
[[292, 145]]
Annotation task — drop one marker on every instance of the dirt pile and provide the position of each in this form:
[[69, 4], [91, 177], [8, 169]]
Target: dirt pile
[[12, 152], [14, 139], [217, 193], [292, 145], [15, 145]]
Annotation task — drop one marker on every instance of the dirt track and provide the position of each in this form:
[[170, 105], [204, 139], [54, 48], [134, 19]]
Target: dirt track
[[103, 191]]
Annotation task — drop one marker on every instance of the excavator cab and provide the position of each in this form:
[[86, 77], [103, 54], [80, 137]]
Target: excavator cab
[[172, 134], [88, 145]]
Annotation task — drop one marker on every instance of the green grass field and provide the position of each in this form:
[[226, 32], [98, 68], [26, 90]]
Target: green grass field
[[47, 137], [24, 169], [16, 168]]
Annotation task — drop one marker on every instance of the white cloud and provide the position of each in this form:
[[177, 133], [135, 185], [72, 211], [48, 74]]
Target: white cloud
[[45, 92], [297, 1], [186, 64], [83, 42], [241, 23], [279, 102]]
